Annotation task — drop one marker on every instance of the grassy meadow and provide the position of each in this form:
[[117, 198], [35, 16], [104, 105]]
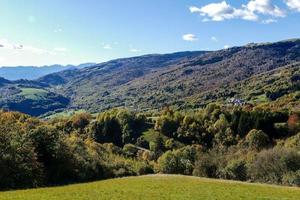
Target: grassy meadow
[[157, 187]]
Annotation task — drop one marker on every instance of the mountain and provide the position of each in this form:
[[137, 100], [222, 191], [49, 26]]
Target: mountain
[[34, 72], [183, 80]]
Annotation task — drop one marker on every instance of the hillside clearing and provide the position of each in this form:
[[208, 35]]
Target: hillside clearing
[[157, 187]]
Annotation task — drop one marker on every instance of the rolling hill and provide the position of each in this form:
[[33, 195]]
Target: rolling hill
[[150, 82], [34, 72], [158, 187], [183, 80]]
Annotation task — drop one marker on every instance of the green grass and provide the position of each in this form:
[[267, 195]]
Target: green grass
[[33, 93], [157, 187], [65, 113]]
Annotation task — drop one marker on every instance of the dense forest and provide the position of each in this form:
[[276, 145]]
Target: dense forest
[[218, 141]]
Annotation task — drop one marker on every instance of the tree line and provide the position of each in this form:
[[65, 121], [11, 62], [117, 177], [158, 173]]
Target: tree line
[[240, 144]]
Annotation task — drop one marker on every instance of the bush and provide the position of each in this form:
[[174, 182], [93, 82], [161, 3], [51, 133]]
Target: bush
[[145, 169], [257, 139], [206, 166], [292, 178], [81, 120], [236, 170], [293, 142], [176, 162], [270, 166], [168, 163]]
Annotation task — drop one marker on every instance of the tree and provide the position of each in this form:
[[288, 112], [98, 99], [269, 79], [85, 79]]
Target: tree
[[272, 165], [168, 163], [19, 165], [235, 170], [81, 120], [257, 139], [157, 146]]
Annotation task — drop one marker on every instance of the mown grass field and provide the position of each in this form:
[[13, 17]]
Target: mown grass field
[[157, 187]]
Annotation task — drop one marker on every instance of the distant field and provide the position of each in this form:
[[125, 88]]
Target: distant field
[[157, 187], [66, 113], [33, 93]]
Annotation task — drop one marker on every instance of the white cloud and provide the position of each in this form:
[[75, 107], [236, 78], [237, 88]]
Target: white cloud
[[134, 50], [293, 4], [14, 54], [4, 43], [60, 49], [107, 46], [189, 37], [264, 7], [223, 11], [213, 38], [226, 47], [269, 21]]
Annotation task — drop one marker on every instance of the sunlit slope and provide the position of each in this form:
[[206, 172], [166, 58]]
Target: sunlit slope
[[157, 187]]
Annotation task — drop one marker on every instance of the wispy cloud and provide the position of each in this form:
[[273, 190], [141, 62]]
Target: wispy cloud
[[14, 47], [60, 49], [107, 46], [226, 46], [251, 11], [269, 21], [133, 50], [189, 37], [293, 4], [214, 39]]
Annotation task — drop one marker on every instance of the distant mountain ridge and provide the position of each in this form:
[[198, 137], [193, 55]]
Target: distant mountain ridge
[[34, 72], [182, 79]]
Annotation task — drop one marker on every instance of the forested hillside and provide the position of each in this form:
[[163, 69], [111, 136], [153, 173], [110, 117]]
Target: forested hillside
[[237, 143], [184, 80], [150, 82]]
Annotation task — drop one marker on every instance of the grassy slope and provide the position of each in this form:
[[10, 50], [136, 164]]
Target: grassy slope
[[33, 93], [157, 187]]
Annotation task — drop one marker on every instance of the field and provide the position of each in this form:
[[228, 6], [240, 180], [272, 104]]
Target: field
[[33, 93], [157, 187]]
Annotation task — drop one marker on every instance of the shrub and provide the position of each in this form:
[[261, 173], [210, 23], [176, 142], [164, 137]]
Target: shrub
[[145, 169], [179, 161], [293, 142], [168, 163], [81, 120], [130, 150], [292, 178], [236, 170], [272, 165], [206, 166], [257, 139]]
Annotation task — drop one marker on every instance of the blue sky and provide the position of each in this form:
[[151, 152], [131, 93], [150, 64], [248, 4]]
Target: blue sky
[[42, 32]]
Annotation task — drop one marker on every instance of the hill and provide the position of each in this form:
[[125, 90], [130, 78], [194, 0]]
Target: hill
[[158, 187], [182, 80], [29, 97], [34, 72]]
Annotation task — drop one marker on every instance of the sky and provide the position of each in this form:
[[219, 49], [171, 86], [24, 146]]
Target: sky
[[45, 32]]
